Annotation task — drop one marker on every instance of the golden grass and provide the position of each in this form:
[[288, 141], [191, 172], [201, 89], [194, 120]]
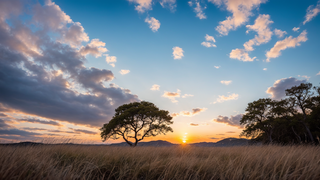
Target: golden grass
[[102, 162]]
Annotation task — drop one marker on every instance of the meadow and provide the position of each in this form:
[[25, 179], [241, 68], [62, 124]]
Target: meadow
[[180, 162]]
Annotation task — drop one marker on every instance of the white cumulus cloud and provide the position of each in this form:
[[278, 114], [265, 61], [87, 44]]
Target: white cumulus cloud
[[154, 24], [177, 52], [155, 87], [124, 71], [277, 91]]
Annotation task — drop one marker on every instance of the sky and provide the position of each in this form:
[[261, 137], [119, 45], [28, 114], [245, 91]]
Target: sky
[[65, 66]]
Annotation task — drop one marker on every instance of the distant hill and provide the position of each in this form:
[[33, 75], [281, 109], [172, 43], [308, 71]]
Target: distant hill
[[223, 143]]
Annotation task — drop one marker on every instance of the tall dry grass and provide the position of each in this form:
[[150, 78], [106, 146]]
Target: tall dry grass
[[102, 162]]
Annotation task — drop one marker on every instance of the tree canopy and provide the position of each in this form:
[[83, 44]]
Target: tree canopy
[[295, 119], [135, 121]]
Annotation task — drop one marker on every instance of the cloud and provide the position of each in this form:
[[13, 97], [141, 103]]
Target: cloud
[[142, 5], [226, 98], [44, 75], [230, 132], [277, 91], [84, 131], [207, 43], [172, 95], [279, 33], [312, 12], [124, 71], [231, 121], [241, 55], [240, 9], [171, 4], [111, 60], [264, 69], [17, 132], [198, 9], [217, 67], [95, 48], [296, 29], [3, 124], [187, 95], [52, 123], [155, 87], [154, 24], [226, 82], [194, 112], [318, 73], [75, 35], [288, 42], [261, 26], [177, 52], [194, 124]]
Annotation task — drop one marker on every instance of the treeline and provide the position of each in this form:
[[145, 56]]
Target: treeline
[[293, 120]]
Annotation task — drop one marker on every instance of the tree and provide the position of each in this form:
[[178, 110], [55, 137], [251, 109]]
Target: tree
[[135, 121], [301, 97], [259, 120]]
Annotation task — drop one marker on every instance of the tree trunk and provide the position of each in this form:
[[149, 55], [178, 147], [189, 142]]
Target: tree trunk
[[298, 137], [308, 131]]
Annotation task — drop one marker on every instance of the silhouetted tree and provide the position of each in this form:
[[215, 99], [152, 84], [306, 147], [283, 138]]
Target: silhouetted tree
[[295, 119], [135, 121]]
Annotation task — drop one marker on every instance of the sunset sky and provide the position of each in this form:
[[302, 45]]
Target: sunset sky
[[66, 65]]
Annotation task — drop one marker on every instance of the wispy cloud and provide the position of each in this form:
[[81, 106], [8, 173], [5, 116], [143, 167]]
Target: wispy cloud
[[288, 42], [312, 12], [142, 5], [217, 67], [279, 33], [198, 9], [172, 95], [225, 82], [223, 98], [194, 112]]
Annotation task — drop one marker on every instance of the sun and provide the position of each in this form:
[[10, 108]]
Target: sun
[[184, 141]]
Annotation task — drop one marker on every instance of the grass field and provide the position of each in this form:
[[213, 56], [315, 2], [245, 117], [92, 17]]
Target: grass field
[[102, 162]]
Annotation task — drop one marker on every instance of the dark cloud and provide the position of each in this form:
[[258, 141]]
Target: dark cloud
[[278, 89], [83, 131], [53, 123], [231, 121], [3, 115], [42, 76], [34, 129], [17, 132], [3, 124], [214, 138]]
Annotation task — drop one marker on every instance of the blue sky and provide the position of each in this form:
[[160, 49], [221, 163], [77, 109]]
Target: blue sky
[[206, 89]]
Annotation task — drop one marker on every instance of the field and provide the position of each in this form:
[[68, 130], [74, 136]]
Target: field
[[103, 162]]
